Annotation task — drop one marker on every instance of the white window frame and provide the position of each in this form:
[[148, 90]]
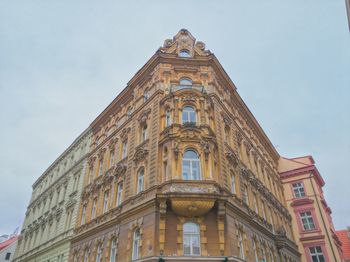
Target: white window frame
[[100, 168], [191, 236], [136, 244], [119, 193], [317, 254], [233, 183], [307, 221], [113, 251], [98, 253], [192, 162], [124, 149], [83, 215], [140, 180], [241, 245], [299, 190], [167, 118], [190, 113], [105, 201], [93, 210]]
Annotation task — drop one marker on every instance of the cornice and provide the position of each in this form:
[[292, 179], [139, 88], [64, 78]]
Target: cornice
[[303, 170]]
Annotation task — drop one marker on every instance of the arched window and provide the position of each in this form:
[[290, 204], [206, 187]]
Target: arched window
[[191, 239], [99, 253], [136, 244], [184, 53], [113, 251], [140, 179], [167, 118], [188, 115], [191, 166], [185, 83]]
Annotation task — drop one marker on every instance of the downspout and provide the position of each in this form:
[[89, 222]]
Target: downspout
[[323, 221]]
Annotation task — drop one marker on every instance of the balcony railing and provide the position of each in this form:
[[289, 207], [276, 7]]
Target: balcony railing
[[174, 88]]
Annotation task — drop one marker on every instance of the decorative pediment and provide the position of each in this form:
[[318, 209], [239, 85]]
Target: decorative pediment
[[183, 40], [120, 169], [302, 201], [232, 157]]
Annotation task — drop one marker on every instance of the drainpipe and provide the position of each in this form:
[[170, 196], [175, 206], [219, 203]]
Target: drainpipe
[[323, 221]]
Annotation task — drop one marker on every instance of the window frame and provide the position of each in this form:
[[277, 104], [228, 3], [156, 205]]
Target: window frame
[[136, 244], [120, 187], [307, 220], [302, 186], [140, 180], [192, 237], [189, 115], [182, 53], [192, 163]]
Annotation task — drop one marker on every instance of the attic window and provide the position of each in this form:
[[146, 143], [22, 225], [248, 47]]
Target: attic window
[[184, 53]]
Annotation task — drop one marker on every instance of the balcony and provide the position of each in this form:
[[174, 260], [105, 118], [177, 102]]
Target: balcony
[[174, 88]]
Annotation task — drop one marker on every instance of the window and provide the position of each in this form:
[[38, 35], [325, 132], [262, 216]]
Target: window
[[227, 134], [188, 115], [245, 196], [233, 183], [298, 189], [144, 133], [241, 245], [99, 253], [140, 178], [119, 193], [105, 201], [191, 166], [167, 118], [136, 244], [255, 251], [184, 53], [90, 175], [111, 158], [146, 96], [191, 239], [316, 254], [263, 253], [185, 83], [307, 220], [263, 209], [255, 204], [100, 169], [272, 257], [93, 210], [86, 256], [83, 214], [8, 255], [124, 149], [113, 252]]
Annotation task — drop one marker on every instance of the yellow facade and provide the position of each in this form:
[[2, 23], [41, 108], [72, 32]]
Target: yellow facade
[[180, 169]]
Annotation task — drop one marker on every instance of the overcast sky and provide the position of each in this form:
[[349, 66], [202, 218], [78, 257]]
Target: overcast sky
[[62, 63]]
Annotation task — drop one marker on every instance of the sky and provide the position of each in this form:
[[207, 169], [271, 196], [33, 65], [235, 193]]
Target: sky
[[62, 62]]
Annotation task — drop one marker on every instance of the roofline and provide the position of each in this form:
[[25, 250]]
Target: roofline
[[303, 170], [160, 57], [62, 155]]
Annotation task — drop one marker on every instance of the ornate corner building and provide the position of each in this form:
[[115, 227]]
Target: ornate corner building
[[311, 216], [180, 170], [50, 218]]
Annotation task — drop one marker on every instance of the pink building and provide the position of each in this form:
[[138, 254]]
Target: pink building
[[312, 221]]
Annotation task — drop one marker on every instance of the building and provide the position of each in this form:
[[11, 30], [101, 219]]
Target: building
[[7, 248], [180, 170], [344, 237], [347, 3], [312, 221], [52, 211]]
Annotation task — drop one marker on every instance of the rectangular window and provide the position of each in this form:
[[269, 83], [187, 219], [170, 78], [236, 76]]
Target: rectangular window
[[317, 254], [298, 189], [100, 170], [140, 182], [111, 159], [93, 211], [307, 220], [124, 149], [119, 194], [255, 204], [245, 197], [105, 202], [233, 184], [8, 255]]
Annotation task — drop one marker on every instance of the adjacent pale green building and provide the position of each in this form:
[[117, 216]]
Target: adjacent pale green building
[[52, 211]]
